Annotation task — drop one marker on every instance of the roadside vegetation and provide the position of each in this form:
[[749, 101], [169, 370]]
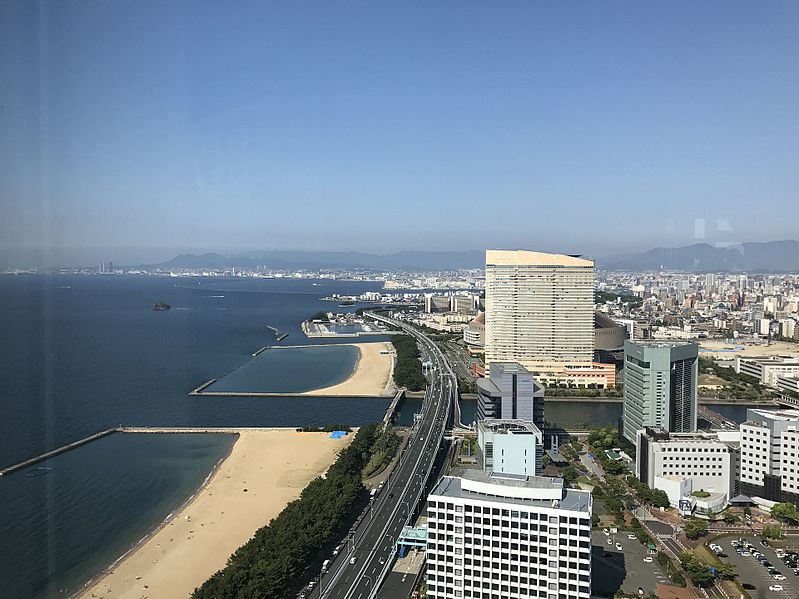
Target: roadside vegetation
[[738, 386], [272, 563], [383, 450], [408, 369]]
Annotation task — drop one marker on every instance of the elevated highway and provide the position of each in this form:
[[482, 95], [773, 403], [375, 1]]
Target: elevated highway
[[359, 570]]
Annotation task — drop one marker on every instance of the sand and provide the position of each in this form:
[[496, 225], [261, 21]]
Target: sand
[[273, 465], [373, 374], [777, 348]]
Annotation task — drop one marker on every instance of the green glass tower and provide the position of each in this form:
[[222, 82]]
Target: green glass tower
[[660, 387]]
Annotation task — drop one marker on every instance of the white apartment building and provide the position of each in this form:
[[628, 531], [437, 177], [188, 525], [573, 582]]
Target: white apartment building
[[681, 463], [769, 448], [503, 537], [766, 369], [539, 312]]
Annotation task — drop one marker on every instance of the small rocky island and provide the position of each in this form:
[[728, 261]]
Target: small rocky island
[[161, 306]]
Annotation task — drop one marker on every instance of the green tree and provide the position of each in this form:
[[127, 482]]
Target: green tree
[[695, 528], [786, 512], [726, 571], [570, 474], [697, 570], [730, 518], [772, 531], [659, 498]]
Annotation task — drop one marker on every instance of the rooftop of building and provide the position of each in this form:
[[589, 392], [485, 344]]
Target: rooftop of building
[[784, 415], [528, 258], [602, 321], [660, 344], [498, 425], [783, 360], [509, 368], [503, 487], [487, 387]]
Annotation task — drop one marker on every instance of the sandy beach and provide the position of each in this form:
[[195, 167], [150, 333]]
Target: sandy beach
[[372, 375], [266, 469], [777, 348]]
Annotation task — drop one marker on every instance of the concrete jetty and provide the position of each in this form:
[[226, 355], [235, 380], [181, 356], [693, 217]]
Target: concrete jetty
[[393, 406], [199, 390], [55, 452]]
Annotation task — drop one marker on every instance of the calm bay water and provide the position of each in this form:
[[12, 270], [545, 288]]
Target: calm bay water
[[291, 370], [82, 354], [59, 529]]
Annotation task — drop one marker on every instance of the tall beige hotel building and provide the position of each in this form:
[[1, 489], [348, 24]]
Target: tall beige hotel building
[[540, 313]]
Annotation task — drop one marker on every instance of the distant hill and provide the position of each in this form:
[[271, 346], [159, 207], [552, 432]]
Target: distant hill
[[771, 256], [406, 260]]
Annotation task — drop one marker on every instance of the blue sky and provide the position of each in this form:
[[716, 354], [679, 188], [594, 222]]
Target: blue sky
[[592, 127]]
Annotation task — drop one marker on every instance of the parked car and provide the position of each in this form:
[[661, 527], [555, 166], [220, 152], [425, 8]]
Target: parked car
[[775, 587], [648, 559], [618, 546]]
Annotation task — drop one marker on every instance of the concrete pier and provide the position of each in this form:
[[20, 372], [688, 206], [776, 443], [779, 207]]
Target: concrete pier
[[55, 452], [393, 406], [265, 347], [199, 390]]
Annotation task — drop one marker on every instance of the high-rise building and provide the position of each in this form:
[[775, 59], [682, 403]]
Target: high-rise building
[[769, 443], [540, 313], [503, 537], [660, 387], [510, 392]]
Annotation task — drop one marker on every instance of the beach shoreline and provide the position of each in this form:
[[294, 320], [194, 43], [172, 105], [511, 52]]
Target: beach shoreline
[[371, 376], [238, 497]]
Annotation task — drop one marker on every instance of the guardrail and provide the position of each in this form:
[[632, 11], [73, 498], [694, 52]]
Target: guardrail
[[448, 389]]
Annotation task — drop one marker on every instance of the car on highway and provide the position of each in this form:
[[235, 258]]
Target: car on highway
[[353, 559]]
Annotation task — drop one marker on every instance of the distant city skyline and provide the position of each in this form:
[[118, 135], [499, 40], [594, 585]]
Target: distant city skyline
[[599, 128]]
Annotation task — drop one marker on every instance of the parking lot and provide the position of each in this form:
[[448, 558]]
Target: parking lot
[[614, 570], [752, 572]]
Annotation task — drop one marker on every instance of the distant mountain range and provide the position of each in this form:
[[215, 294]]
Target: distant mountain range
[[772, 256], [407, 260]]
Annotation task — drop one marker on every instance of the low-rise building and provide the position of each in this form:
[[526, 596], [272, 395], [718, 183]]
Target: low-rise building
[[510, 447], [683, 463], [766, 369], [505, 536], [475, 332]]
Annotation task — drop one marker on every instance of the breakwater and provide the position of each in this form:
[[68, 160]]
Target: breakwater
[[133, 429], [54, 452]]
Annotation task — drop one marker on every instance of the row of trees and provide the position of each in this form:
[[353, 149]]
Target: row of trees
[[383, 450], [271, 564], [408, 369]]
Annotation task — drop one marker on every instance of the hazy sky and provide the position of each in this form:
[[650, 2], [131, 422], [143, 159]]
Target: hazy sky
[[378, 126]]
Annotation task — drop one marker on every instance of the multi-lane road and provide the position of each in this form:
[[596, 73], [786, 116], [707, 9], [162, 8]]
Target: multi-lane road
[[358, 571]]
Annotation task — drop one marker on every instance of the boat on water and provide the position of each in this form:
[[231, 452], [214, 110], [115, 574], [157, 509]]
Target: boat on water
[[346, 304], [39, 471]]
